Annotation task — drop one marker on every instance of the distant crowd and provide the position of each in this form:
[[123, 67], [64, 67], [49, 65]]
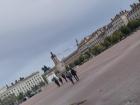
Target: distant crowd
[[69, 75]]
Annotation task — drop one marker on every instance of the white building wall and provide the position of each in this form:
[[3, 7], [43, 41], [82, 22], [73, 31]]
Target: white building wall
[[124, 20], [50, 76], [24, 85], [117, 23], [134, 15], [134, 12]]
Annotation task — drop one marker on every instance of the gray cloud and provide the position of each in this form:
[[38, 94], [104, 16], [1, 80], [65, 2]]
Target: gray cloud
[[30, 29]]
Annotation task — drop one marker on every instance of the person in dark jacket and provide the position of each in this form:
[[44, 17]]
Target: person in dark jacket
[[64, 76], [60, 79], [74, 74], [55, 80], [69, 76]]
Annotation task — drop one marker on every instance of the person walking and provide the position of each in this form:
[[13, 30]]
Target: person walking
[[74, 73], [64, 77], [69, 76], [55, 80], [60, 79]]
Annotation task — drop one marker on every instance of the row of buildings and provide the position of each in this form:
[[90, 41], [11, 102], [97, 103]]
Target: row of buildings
[[121, 19], [22, 86], [25, 84]]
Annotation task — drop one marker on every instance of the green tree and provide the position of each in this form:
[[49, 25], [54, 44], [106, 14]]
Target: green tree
[[9, 100], [80, 60], [117, 36], [35, 88], [107, 42], [72, 65], [76, 62], [87, 55], [20, 97], [134, 24], [125, 30], [28, 93], [1, 102], [41, 84], [98, 49]]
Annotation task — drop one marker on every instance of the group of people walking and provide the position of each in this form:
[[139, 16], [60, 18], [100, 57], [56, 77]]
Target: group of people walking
[[69, 75]]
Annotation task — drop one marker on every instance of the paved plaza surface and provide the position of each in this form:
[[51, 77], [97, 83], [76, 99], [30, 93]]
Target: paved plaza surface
[[112, 78]]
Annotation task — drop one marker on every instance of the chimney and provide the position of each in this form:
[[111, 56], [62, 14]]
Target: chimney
[[12, 84], [21, 78], [16, 81]]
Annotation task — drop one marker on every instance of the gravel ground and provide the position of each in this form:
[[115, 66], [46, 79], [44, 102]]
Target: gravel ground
[[112, 78]]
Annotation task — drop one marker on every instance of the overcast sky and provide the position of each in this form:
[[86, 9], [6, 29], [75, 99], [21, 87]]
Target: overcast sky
[[30, 29]]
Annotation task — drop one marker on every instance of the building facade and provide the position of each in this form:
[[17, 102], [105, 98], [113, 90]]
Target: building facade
[[23, 85], [2, 90], [134, 12], [92, 40], [116, 23], [84, 45]]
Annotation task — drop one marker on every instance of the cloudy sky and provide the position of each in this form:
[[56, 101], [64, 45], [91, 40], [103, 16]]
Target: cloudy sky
[[30, 29]]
